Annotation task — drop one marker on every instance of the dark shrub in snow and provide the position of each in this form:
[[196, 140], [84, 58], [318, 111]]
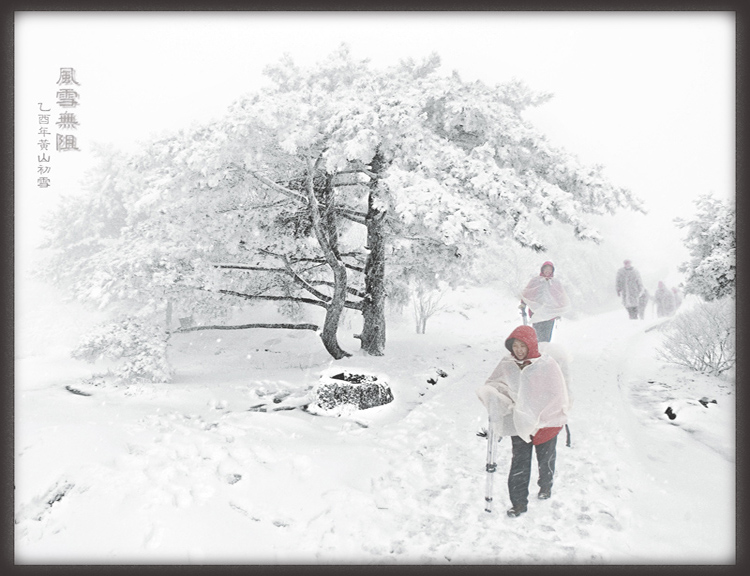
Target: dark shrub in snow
[[359, 390]]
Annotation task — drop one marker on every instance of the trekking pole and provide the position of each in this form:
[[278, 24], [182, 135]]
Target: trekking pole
[[523, 314], [567, 432], [491, 466]]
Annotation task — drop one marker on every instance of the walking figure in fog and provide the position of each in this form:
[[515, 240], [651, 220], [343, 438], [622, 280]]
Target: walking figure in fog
[[677, 298], [547, 301], [527, 399], [642, 303], [629, 286], [664, 297]]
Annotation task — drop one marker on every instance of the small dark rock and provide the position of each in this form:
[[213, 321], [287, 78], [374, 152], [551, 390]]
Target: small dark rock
[[669, 413], [77, 391], [355, 378]]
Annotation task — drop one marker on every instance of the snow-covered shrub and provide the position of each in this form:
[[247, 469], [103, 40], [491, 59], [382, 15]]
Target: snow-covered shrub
[[702, 338], [141, 347]]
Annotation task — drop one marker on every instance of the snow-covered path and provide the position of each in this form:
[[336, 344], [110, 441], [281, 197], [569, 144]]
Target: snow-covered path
[[184, 473]]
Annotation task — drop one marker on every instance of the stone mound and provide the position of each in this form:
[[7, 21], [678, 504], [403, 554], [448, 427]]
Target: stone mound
[[359, 390]]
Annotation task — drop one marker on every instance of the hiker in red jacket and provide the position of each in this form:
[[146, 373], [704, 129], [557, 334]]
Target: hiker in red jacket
[[527, 399], [547, 301]]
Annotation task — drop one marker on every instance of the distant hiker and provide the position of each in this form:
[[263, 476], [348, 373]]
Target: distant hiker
[[527, 399], [664, 301], [677, 298], [642, 303], [547, 301], [629, 285]]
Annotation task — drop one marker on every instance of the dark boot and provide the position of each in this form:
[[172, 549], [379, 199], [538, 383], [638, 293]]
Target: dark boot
[[516, 511]]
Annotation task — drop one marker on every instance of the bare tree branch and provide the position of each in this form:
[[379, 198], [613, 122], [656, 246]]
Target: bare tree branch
[[246, 267], [355, 268], [296, 277], [247, 326], [352, 215], [273, 298], [360, 167], [279, 188], [349, 289], [347, 304]]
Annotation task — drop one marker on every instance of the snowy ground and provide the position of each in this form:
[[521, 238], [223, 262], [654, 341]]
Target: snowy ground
[[185, 473]]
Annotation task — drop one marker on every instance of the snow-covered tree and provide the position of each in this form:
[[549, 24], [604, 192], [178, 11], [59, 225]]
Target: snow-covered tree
[[711, 239], [453, 167], [333, 186]]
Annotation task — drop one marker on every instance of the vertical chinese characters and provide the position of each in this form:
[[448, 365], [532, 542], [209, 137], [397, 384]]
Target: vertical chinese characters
[[67, 98], [65, 140], [43, 157]]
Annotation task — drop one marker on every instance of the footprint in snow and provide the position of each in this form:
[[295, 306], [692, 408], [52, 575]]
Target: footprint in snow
[[608, 520], [154, 537]]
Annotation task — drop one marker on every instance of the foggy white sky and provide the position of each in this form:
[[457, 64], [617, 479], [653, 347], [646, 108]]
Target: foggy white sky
[[649, 95]]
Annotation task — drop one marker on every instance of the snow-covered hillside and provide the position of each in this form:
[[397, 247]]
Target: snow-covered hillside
[[187, 473]]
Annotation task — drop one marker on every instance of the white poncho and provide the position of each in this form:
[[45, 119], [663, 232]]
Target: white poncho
[[546, 298], [520, 402]]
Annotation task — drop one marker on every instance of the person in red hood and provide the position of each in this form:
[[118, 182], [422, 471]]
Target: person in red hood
[[527, 399], [547, 301]]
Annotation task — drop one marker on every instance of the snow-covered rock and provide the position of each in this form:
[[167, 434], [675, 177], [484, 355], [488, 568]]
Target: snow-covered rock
[[360, 390]]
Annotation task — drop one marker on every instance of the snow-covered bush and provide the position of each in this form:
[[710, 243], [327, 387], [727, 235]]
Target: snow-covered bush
[[702, 338], [140, 346]]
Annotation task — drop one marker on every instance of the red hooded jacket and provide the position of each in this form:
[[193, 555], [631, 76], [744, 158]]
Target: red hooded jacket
[[527, 335]]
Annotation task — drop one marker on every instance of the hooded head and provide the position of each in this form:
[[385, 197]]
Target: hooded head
[[549, 271], [527, 335]]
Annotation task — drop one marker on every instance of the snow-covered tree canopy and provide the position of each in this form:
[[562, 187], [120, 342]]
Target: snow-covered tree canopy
[[406, 166], [712, 241], [464, 168]]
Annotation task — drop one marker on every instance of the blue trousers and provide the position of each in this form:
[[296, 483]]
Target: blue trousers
[[520, 468]]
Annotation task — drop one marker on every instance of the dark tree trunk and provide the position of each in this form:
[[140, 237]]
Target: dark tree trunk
[[373, 311], [328, 243], [333, 315]]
